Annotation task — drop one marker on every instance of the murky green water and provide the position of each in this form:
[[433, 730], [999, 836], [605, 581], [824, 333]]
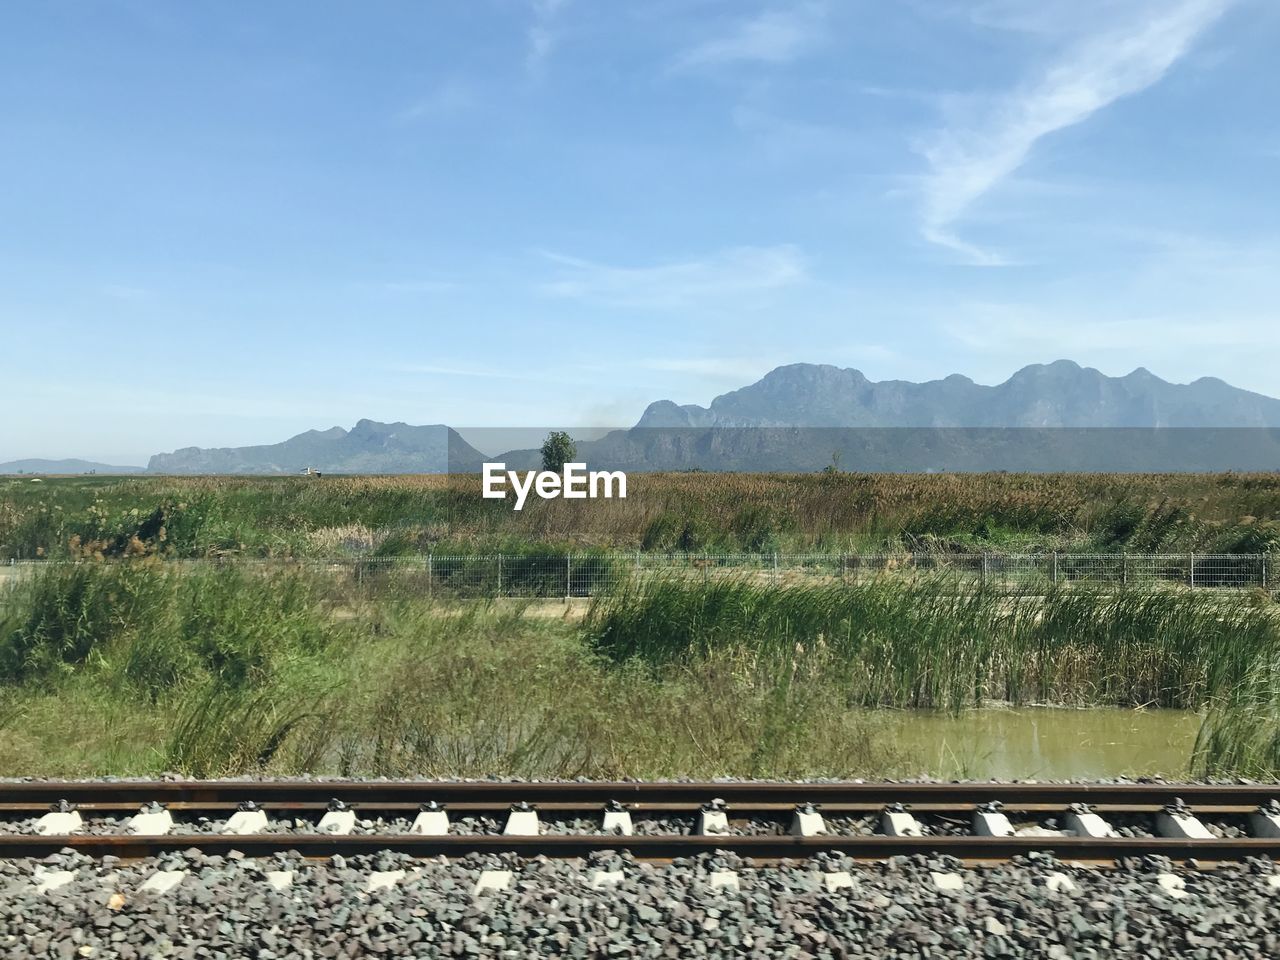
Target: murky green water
[[1045, 743]]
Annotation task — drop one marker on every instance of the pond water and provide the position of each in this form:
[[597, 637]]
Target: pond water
[[1043, 742]]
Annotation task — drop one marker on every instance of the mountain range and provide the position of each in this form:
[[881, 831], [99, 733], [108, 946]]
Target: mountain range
[[1061, 394], [64, 467], [803, 416], [368, 447]]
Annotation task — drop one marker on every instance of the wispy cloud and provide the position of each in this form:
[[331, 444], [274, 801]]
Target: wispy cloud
[[128, 292], [722, 276], [776, 35], [413, 286], [470, 372], [1030, 330], [1123, 56], [1052, 19], [783, 135], [448, 99], [1184, 304], [542, 35], [740, 370]]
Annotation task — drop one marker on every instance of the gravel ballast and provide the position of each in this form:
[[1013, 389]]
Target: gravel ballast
[[225, 907]]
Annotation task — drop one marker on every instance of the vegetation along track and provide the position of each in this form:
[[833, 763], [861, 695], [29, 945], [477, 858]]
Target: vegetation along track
[[1207, 824]]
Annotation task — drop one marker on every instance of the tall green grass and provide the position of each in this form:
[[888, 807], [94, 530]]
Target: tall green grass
[[154, 628], [487, 690], [192, 517], [220, 730], [1239, 739], [142, 667], [229, 656], [931, 643]]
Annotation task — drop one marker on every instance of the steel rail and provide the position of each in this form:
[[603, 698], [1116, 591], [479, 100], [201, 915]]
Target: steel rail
[[771, 800], [407, 794], [737, 810], [968, 848]]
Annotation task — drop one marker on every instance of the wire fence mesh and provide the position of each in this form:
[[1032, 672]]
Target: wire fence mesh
[[570, 575]]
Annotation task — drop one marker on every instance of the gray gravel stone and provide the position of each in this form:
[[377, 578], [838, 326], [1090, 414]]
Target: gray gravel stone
[[226, 908]]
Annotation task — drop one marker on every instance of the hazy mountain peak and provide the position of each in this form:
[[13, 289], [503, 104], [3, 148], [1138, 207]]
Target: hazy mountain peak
[[1058, 368], [369, 447], [1058, 394], [64, 467], [331, 434], [665, 414], [373, 426]]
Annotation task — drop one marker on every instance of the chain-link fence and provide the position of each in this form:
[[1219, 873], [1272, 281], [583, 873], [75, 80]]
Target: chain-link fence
[[569, 575], [1191, 570]]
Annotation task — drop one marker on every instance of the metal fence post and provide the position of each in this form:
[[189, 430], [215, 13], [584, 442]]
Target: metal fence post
[[1263, 557], [1193, 571], [568, 577], [775, 568], [499, 575], [430, 585], [1055, 566], [984, 568]]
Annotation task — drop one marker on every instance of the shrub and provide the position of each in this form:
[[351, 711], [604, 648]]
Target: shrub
[[557, 450]]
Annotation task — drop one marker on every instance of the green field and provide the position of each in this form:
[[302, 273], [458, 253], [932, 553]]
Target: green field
[[846, 512]]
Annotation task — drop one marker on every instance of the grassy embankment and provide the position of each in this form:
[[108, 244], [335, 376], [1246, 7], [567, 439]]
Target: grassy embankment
[[137, 668], [694, 512]]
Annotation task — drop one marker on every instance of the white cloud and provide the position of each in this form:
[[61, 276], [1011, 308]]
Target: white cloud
[[744, 370], [542, 35], [990, 339], [412, 286], [128, 292], [1186, 307], [1030, 330], [786, 137], [1121, 57], [728, 274], [1047, 18], [462, 370], [447, 100], [777, 35], [739, 370]]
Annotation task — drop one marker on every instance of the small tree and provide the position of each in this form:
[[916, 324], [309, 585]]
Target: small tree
[[557, 450]]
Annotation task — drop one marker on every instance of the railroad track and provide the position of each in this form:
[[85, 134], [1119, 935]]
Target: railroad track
[[975, 822]]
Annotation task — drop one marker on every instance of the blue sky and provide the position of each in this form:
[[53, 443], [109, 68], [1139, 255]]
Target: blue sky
[[225, 223]]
